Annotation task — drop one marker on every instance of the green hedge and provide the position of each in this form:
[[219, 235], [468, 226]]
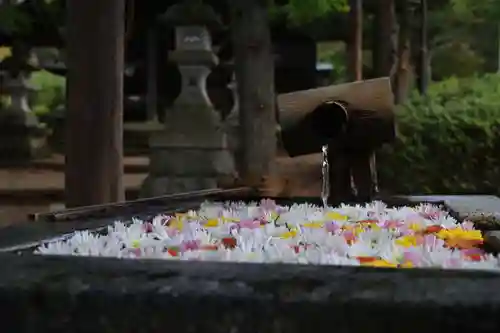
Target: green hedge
[[448, 142]]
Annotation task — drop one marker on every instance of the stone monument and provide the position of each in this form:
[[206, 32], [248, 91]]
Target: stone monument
[[190, 152], [22, 136]]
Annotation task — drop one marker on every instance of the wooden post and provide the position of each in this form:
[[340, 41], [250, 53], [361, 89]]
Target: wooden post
[[254, 70], [152, 77], [355, 43], [94, 139]]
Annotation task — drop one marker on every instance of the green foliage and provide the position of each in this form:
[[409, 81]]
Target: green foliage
[[334, 53], [447, 142], [50, 92], [303, 11], [13, 20], [474, 10], [455, 59], [470, 23]]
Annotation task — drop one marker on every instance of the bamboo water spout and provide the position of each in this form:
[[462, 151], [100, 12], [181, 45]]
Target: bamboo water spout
[[353, 119]]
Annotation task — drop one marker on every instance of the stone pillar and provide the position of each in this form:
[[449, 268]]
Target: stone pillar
[[232, 122], [191, 152], [22, 137]]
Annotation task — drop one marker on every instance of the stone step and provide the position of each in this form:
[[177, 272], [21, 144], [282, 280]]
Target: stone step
[[132, 164], [34, 186]]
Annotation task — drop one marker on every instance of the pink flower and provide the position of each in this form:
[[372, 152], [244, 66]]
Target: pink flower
[[431, 215], [412, 257], [332, 227], [148, 227], [430, 240], [268, 204], [391, 224], [454, 262], [234, 226], [250, 224], [190, 245]]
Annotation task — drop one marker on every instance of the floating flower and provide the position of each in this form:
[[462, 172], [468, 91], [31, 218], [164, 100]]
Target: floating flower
[[335, 216], [314, 225], [289, 234], [407, 241], [212, 223], [380, 263], [372, 235]]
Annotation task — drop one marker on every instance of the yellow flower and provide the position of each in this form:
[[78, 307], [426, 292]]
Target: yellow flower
[[407, 241], [416, 227], [358, 230], [371, 226], [229, 219], [407, 264], [472, 235], [380, 263], [336, 216], [212, 223], [289, 234], [314, 225], [136, 244], [176, 223]]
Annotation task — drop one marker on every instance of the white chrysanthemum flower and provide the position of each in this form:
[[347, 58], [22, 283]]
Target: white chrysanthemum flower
[[265, 232]]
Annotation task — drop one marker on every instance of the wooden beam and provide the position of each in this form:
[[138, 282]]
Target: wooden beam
[[94, 140]]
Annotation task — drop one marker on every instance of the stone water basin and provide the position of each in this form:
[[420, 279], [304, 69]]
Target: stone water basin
[[70, 293]]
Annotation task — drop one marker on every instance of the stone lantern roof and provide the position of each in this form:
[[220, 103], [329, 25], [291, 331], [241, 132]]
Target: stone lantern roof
[[192, 12]]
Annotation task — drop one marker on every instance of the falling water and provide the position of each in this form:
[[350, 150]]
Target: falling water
[[325, 173]]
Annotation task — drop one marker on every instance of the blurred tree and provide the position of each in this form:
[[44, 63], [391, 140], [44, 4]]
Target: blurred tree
[[355, 41], [469, 27], [254, 69], [300, 11]]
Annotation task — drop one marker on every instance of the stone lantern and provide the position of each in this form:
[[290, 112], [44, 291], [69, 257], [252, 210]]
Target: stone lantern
[[190, 152], [232, 122], [22, 137]]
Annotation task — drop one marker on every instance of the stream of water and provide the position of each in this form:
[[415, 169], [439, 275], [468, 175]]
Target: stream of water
[[325, 176]]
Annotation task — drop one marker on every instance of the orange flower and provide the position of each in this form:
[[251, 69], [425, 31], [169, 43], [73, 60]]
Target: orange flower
[[209, 247], [367, 221], [173, 252], [433, 229], [461, 243], [365, 260], [229, 242]]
